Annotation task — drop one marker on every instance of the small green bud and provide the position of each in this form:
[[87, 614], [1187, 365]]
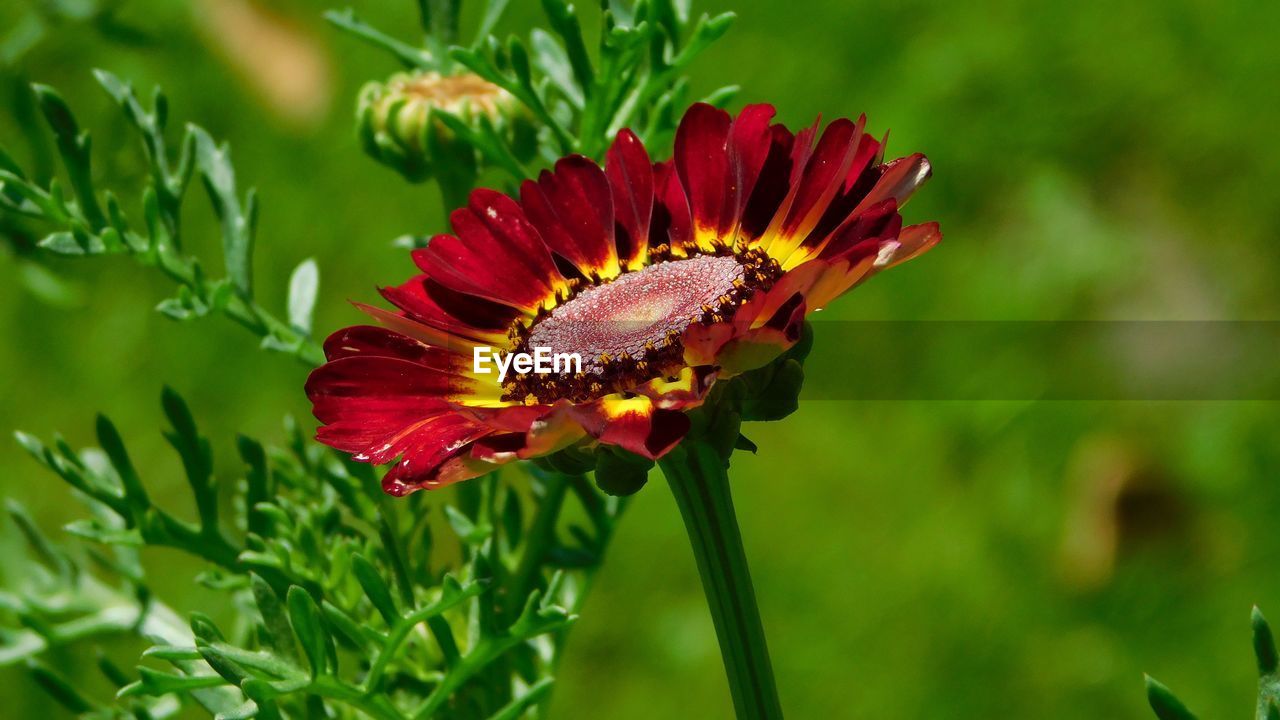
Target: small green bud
[[400, 126]]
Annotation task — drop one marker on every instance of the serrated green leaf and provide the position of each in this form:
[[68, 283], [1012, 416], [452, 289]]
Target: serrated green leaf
[[204, 628], [113, 445], [197, 457], [375, 588], [565, 23], [304, 616], [255, 662], [56, 112], [154, 683], [275, 619], [91, 530], [519, 55], [257, 479], [554, 63], [721, 97], [213, 162], [66, 243], [171, 653], [178, 309], [74, 148]]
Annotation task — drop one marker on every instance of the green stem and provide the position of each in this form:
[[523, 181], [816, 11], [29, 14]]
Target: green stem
[[542, 534], [700, 483]]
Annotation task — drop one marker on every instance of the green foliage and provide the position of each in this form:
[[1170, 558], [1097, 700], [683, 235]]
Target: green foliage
[[580, 96], [1168, 707], [1094, 161], [91, 223], [345, 603]]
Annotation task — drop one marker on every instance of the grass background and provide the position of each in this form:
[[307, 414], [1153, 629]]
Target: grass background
[[1093, 161]]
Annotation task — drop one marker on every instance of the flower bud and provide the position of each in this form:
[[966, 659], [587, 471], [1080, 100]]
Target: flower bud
[[399, 122]]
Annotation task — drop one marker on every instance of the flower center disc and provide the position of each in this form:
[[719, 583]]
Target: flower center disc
[[628, 331], [637, 312]]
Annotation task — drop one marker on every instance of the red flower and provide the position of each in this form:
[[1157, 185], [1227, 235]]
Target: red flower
[[662, 277]]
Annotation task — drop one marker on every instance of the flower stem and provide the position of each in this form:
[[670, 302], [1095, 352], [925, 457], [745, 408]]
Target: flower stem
[[700, 483]]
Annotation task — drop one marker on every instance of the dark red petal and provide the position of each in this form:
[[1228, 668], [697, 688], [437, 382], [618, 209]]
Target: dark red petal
[[631, 178], [471, 317], [702, 162], [800, 150], [823, 175], [445, 339], [378, 341], [749, 143], [915, 240], [499, 447], [868, 149], [865, 234], [496, 255], [365, 399], [859, 180], [413, 474], [426, 443], [773, 183], [672, 224], [379, 376], [572, 208], [878, 222], [357, 425]]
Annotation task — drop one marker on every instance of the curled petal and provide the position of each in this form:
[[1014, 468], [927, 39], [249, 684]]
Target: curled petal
[[898, 180]]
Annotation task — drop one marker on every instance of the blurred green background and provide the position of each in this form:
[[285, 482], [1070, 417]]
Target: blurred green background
[[1093, 160]]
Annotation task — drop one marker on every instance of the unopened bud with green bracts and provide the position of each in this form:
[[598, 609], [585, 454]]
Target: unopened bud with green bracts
[[428, 125]]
